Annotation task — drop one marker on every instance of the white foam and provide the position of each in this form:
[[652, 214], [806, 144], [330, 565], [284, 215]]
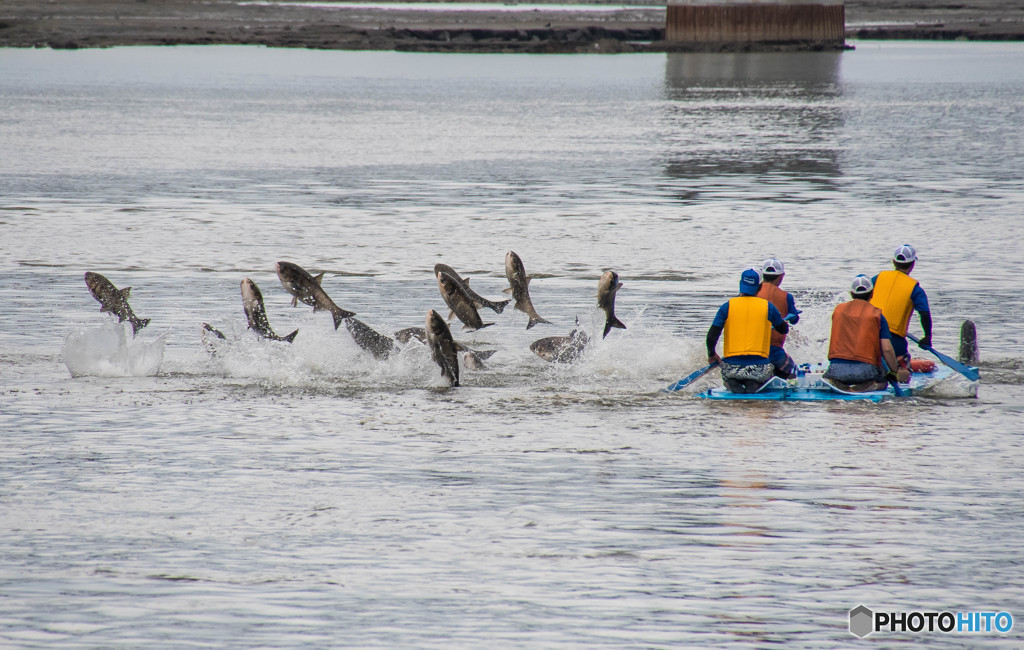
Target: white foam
[[106, 351]]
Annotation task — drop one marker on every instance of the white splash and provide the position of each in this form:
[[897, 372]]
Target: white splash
[[106, 351]]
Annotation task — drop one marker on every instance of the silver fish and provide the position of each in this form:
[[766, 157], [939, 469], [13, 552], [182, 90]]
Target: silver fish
[[606, 288], [114, 300], [519, 285], [303, 286], [420, 334], [460, 303], [498, 306], [380, 346], [442, 347], [256, 313], [561, 349]]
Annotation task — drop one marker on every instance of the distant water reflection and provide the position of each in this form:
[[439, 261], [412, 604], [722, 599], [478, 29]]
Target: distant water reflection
[[728, 111]]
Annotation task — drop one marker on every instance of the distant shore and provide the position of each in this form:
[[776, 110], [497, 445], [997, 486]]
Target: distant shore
[[451, 27]]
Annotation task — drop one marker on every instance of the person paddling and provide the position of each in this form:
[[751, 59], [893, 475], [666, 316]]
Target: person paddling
[[747, 322], [773, 271], [898, 295], [859, 342]]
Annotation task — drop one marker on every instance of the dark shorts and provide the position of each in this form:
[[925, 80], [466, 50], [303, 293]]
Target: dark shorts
[[854, 373], [785, 367]]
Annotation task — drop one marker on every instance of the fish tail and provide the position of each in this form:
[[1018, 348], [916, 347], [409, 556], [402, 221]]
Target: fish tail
[[138, 324], [612, 322], [499, 306], [340, 314], [535, 320]]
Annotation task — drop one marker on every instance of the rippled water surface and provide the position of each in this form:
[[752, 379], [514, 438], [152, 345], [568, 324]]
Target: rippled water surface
[[166, 491]]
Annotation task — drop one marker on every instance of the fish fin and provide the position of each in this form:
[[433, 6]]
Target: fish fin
[[290, 337], [138, 324], [319, 279], [534, 320], [483, 354], [465, 281], [612, 322], [340, 315], [450, 314], [213, 330], [499, 306], [295, 301], [618, 286], [126, 292], [485, 325], [507, 290], [521, 306]]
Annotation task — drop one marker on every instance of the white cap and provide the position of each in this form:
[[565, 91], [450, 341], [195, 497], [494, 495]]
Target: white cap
[[772, 266], [862, 284], [905, 254]]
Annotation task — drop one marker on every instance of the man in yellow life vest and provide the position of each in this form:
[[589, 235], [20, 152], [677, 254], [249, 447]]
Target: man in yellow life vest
[[859, 342], [772, 272], [898, 295], [747, 322]]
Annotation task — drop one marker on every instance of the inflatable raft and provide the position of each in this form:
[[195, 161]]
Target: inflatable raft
[[810, 386]]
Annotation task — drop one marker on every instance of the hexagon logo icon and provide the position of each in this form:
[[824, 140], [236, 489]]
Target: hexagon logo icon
[[860, 621]]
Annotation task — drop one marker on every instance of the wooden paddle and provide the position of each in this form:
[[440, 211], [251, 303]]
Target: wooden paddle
[[966, 371]]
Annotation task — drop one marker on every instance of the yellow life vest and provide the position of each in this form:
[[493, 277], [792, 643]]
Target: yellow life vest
[[892, 296], [747, 329]]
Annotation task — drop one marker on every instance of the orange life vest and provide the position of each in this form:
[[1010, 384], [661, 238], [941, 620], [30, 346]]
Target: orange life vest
[[855, 328], [892, 296], [780, 299], [747, 328]]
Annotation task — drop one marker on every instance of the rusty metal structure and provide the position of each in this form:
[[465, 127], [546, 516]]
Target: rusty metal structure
[[750, 22]]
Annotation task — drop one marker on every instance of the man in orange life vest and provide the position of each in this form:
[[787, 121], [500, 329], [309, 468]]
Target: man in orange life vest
[[773, 271], [898, 295], [747, 321], [859, 342]]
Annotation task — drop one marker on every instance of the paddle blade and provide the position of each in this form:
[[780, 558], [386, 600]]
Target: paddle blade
[[690, 378], [966, 371], [897, 391]]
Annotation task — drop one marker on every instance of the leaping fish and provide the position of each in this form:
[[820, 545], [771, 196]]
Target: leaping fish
[[497, 305], [472, 359], [519, 285], [256, 313], [303, 286], [460, 303], [606, 288], [562, 349], [114, 300], [380, 346], [442, 347]]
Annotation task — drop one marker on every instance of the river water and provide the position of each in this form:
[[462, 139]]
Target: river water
[[153, 494]]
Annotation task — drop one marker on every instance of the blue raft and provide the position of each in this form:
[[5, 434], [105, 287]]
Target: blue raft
[[811, 387]]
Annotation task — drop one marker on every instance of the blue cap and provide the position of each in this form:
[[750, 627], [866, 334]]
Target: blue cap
[[750, 282]]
